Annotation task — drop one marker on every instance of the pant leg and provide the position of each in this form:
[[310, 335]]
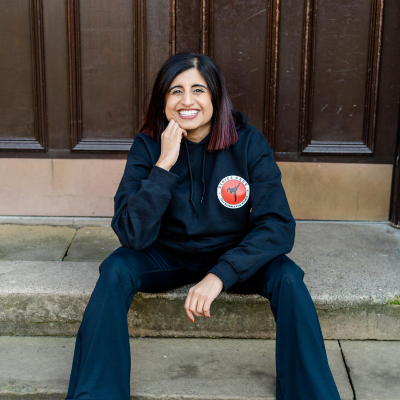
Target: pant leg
[[101, 365], [302, 369]]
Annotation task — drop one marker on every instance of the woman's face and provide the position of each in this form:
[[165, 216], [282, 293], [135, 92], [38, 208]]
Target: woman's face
[[189, 91]]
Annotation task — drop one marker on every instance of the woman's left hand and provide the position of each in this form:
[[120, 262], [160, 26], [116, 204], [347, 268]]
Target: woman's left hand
[[201, 296]]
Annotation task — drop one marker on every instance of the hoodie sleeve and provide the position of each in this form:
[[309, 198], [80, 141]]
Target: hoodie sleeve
[[141, 199], [272, 226]]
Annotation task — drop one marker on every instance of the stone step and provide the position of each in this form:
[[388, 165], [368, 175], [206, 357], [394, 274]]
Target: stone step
[[351, 270], [49, 298], [173, 369]]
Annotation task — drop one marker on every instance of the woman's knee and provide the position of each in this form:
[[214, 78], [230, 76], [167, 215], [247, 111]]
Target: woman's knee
[[281, 273], [116, 279], [290, 271], [286, 270], [277, 272], [113, 268], [119, 271], [123, 267]]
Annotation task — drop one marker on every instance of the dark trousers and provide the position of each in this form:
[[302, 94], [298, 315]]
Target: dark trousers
[[101, 364]]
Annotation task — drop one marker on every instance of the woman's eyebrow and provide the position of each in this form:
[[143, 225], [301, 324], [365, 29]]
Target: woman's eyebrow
[[180, 86]]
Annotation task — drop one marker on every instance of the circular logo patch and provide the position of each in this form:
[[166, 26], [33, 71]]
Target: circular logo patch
[[233, 191]]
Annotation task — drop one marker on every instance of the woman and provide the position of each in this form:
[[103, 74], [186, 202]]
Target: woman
[[200, 201]]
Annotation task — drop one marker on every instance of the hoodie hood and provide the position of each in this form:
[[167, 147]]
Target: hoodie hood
[[193, 145]]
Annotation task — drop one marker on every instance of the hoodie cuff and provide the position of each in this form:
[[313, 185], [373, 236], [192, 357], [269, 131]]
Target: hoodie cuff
[[162, 177], [227, 273]]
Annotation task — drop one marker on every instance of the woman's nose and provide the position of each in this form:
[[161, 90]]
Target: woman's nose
[[187, 99]]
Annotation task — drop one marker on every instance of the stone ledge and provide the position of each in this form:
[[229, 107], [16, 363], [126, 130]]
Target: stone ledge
[[164, 369], [49, 298]]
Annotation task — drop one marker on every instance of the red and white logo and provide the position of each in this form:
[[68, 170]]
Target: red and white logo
[[233, 191]]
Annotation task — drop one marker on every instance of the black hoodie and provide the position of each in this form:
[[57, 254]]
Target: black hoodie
[[229, 202]]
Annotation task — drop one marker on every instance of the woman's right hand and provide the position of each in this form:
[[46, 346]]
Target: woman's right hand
[[170, 145]]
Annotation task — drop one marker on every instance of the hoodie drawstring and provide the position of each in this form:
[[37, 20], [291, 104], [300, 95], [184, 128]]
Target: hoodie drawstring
[[202, 175], [191, 177]]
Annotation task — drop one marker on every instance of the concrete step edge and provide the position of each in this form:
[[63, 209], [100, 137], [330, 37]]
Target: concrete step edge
[[49, 298], [165, 369]]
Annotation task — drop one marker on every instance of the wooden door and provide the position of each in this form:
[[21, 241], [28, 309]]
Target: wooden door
[[320, 79]]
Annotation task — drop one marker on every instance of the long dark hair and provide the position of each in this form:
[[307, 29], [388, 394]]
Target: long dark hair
[[224, 119]]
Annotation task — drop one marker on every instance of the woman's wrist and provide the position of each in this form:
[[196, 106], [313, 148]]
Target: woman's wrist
[[163, 164], [215, 276]]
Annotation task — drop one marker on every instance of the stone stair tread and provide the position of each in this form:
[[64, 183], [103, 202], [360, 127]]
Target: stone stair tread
[[168, 368], [326, 286], [351, 271], [49, 298], [345, 263]]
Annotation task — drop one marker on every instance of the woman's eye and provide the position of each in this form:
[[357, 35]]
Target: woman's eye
[[180, 91]]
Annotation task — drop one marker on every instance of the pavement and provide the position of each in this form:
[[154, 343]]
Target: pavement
[[49, 266]]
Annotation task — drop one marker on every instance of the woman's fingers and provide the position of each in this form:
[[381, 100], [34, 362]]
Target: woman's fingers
[[187, 303], [169, 126], [175, 129], [200, 297], [178, 131], [203, 306], [170, 143], [193, 305], [206, 308]]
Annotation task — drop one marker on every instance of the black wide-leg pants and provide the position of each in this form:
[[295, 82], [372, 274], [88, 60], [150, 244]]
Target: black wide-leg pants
[[101, 364]]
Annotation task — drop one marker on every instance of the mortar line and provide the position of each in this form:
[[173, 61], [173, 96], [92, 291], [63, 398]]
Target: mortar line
[[348, 372], [66, 252]]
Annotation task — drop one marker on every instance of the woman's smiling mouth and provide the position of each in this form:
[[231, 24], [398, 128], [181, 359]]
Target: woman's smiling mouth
[[189, 114]]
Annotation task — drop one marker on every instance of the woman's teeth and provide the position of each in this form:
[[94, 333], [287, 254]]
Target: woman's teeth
[[188, 113]]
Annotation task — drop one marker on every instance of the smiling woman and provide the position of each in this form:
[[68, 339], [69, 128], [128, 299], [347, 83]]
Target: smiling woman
[[201, 202], [189, 102], [186, 83]]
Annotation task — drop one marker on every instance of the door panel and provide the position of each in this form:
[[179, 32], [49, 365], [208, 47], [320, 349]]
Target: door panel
[[341, 66], [22, 98]]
